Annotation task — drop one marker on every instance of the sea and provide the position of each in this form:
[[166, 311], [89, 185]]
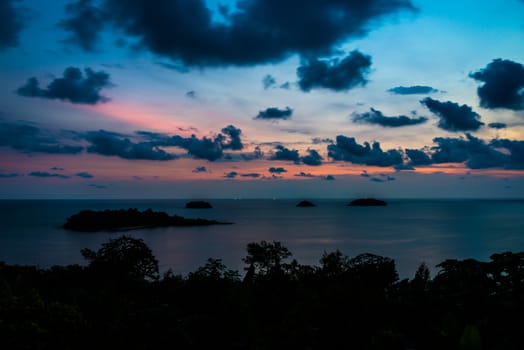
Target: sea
[[410, 231]]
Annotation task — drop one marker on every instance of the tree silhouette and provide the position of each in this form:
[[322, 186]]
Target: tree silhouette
[[265, 257], [124, 257]]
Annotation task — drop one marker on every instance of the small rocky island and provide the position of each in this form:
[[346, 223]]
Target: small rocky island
[[130, 219], [306, 204], [198, 205], [367, 202]]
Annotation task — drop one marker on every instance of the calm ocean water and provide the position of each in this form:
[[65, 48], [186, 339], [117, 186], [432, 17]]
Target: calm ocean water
[[409, 231]]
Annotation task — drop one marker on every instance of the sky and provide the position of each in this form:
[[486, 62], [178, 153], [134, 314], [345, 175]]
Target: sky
[[261, 99]]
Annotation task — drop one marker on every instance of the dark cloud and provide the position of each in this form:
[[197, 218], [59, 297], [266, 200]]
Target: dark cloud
[[258, 31], [29, 138], [72, 87], [85, 22], [274, 113], [277, 170], [285, 86], [8, 175], [268, 81], [283, 153], [503, 85], [11, 23], [453, 117], [329, 177], [318, 140], [233, 140], [113, 144], [303, 174], [515, 148], [200, 169], [253, 175], [413, 90], [97, 186], [347, 149], [334, 74], [497, 125], [376, 117], [256, 154], [205, 148], [231, 175], [85, 175], [191, 94], [418, 157], [55, 168], [476, 153], [46, 174], [365, 174], [376, 179], [313, 158]]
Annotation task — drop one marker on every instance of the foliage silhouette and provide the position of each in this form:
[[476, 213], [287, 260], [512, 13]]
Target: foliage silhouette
[[119, 300]]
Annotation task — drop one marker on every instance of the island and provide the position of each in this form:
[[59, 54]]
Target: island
[[367, 202], [306, 204], [198, 205], [130, 219]]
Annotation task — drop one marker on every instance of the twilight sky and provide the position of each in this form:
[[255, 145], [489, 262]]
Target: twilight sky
[[261, 98]]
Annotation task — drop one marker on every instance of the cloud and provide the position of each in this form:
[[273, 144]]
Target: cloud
[[418, 157], [256, 154], [72, 87], [284, 153], [334, 74], [200, 169], [29, 138], [191, 94], [258, 31], [233, 138], [8, 175], [253, 175], [11, 23], [113, 144], [57, 168], [503, 85], [453, 117], [376, 179], [303, 174], [85, 22], [376, 117], [268, 81], [231, 175], [205, 148], [365, 174], [313, 158], [317, 140], [497, 125], [329, 177], [515, 148], [177, 67], [277, 170], [84, 175], [413, 90], [274, 113], [347, 149], [97, 186], [46, 174], [476, 153]]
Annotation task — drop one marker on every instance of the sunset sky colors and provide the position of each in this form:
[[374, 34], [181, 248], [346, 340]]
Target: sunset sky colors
[[261, 98]]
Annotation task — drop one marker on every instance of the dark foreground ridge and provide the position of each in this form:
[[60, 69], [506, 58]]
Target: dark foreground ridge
[[305, 204], [367, 202], [198, 205], [130, 219], [120, 301]]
